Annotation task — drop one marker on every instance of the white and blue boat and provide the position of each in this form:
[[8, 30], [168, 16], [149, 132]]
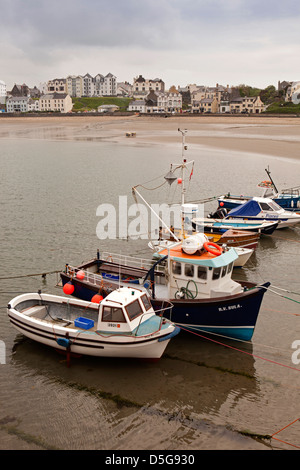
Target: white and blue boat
[[195, 277], [288, 199], [260, 209], [124, 324]]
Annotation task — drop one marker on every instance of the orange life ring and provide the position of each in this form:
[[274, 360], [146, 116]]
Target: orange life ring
[[217, 251]]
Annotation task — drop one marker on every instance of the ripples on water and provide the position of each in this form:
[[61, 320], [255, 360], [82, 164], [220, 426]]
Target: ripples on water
[[201, 392]]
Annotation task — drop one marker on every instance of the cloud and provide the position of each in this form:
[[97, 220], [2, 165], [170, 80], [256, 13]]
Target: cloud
[[178, 41]]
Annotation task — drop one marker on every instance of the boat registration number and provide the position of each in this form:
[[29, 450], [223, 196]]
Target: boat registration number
[[229, 307]]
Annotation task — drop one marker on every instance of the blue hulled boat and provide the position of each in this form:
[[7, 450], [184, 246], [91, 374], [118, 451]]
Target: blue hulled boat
[[288, 199], [195, 277]]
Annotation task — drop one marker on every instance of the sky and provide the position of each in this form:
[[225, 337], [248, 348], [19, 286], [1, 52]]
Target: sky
[[182, 42]]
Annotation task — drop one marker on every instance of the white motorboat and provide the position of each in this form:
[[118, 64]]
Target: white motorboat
[[124, 324], [262, 209]]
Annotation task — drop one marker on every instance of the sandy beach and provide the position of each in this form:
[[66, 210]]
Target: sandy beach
[[274, 136]]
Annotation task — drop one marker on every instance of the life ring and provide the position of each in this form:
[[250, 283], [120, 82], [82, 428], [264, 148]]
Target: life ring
[[216, 250]]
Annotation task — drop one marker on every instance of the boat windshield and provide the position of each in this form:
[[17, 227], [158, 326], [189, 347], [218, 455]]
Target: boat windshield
[[146, 302], [265, 207], [134, 309]]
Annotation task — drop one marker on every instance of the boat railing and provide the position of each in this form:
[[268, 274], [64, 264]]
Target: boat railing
[[91, 278], [159, 314], [127, 260], [292, 191]]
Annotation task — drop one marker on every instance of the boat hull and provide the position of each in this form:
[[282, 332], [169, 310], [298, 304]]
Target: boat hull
[[232, 316], [291, 203], [91, 343]]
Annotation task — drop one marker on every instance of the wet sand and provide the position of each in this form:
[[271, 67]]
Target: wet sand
[[275, 136]]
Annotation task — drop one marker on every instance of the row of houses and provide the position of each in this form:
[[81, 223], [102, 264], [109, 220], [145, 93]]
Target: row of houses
[[148, 96]]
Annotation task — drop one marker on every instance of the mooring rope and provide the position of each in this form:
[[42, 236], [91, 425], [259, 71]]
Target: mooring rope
[[239, 350], [285, 442], [30, 275]]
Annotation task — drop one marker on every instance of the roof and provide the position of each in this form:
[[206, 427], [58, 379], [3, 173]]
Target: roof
[[54, 96], [205, 259]]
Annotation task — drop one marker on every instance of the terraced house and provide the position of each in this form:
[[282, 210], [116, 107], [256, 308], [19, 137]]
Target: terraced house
[[142, 87], [86, 85], [56, 102]]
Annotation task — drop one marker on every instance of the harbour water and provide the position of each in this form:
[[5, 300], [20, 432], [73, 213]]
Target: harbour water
[[206, 392]]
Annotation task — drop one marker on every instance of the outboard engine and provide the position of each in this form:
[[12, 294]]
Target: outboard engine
[[220, 213]]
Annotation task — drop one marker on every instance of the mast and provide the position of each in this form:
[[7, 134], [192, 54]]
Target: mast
[[269, 175]]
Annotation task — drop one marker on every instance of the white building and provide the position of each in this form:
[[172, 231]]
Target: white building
[[74, 86], [2, 88], [142, 87], [56, 102], [2, 92], [57, 85], [170, 102], [17, 104], [138, 106]]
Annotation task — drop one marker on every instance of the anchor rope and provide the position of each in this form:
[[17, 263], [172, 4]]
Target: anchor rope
[[285, 427], [240, 350]]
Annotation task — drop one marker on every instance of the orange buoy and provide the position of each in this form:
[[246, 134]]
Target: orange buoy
[[96, 299], [80, 275], [68, 288]]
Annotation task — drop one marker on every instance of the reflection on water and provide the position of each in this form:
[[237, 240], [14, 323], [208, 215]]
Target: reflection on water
[[205, 391]]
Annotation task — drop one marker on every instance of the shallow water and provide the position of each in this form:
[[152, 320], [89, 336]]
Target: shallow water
[[205, 393]]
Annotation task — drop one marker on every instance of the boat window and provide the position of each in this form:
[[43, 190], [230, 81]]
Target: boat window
[[202, 272], [113, 314], [265, 207], [216, 273], [189, 270], [134, 309], [229, 268], [224, 269], [274, 206], [176, 267], [146, 302]]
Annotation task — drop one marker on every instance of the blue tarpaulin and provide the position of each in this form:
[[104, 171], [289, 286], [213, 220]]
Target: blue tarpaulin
[[248, 209]]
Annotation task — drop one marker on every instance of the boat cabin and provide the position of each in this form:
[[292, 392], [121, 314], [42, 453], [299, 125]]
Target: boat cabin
[[124, 310], [200, 275]]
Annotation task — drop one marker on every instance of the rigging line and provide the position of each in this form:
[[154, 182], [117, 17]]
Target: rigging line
[[250, 343], [285, 290], [30, 275], [283, 296], [151, 189], [245, 352]]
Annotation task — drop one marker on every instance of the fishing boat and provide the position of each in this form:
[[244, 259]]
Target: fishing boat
[[288, 199], [126, 323], [214, 225], [263, 209], [192, 273], [199, 285]]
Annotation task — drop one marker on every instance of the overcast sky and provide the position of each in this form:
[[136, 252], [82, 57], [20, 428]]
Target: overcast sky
[[256, 42]]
